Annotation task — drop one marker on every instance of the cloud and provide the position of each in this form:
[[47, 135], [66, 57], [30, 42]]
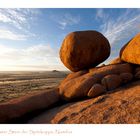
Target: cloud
[[119, 29], [122, 27], [38, 57], [66, 20], [101, 15], [31, 52], [18, 18], [6, 34], [13, 17]]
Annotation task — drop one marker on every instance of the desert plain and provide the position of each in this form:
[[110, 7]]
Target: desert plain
[[14, 84]]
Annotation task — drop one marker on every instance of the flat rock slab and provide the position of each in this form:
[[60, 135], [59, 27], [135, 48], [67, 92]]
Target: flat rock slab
[[119, 106], [19, 107]]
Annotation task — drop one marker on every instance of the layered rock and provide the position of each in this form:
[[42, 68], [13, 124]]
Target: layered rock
[[84, 49], [77, 85]]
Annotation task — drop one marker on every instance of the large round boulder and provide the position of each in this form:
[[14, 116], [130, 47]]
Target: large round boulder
[[131, 51], [84, 49]]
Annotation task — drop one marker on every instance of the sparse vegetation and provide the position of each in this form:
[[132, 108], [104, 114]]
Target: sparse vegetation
[[15, 84]]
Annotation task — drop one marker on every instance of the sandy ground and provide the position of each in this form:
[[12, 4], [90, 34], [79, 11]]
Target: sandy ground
[[16, 84]]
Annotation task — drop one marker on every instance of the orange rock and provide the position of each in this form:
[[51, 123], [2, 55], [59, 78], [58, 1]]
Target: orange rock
[[111, 81], [74, 75], [84, 49], [114, 69], [95, 68], [18, 107], [96, 90], [131, 51], [79, 87], [126, 77], [119, 106]]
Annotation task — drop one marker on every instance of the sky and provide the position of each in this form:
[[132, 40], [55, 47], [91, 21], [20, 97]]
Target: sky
[[30, 39]]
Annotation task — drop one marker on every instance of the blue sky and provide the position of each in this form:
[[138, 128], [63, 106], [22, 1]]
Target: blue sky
[[30, 38]]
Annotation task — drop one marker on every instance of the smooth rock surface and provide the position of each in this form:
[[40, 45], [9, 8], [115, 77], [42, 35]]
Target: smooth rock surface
[[96, 90], [18, 107], [84, 49], [118, 106], [78, 87], [111, 81], [131, 51]]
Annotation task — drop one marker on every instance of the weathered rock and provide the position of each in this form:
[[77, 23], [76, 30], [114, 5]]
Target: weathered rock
[[78, 87], [74, 75], [118, 106], [111, 81], [84, 49], [116, 61], [96, 90], [18, 107], [126, 77], [114, 69], [131, 51]]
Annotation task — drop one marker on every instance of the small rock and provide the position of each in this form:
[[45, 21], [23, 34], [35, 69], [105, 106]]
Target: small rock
[[55, 71], [96, 90], [126, 77], [111, 81]]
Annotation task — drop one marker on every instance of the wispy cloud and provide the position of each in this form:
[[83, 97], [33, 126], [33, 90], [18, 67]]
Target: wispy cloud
[[118, 29], [122, 27], [101, 15], [17, 19], [6, 34], [33, 57], [66, 20]]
